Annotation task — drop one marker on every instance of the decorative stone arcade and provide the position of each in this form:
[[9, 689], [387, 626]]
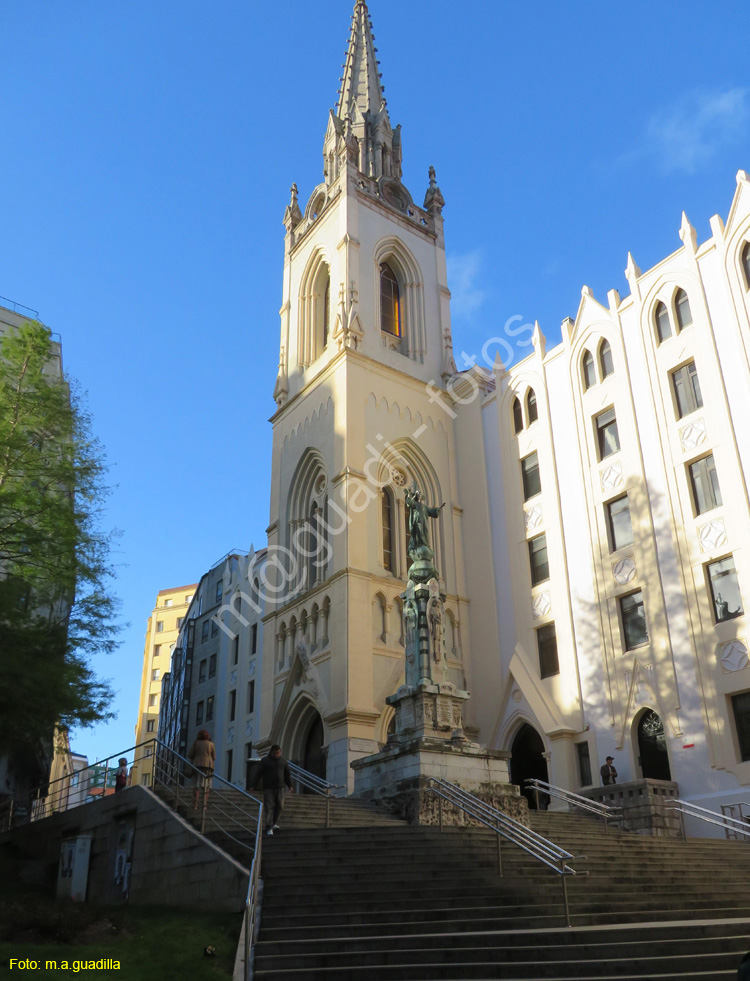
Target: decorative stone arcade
[[429, 739]]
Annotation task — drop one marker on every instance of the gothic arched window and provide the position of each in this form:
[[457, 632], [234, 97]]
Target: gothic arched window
[[606, 363], [388, 529], [589, 372], [326, 312], [390, 301], [517, 417], [663, 326], [531, 410], [745, 260], [682, 310]]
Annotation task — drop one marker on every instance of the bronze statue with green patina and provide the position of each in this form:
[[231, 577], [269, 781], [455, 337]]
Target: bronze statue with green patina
[[422, 556]]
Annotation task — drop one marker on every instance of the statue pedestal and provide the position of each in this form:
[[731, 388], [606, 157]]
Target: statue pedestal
[[428, 710]]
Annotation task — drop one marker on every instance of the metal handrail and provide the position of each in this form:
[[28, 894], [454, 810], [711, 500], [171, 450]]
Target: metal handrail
[[252, 902], [312, 781], [529, 841], [735, 825], [607, 812]]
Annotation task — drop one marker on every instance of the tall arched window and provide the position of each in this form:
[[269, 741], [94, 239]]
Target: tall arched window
[[663, 326], [745, 259], [517, 417], [387, 521], [589, 372], [606, 363], [390, 301], [326, 312], [682, 310], [531, 410], [314, 310]]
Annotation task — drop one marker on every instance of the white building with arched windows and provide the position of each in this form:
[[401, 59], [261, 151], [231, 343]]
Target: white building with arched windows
[[595, 539]]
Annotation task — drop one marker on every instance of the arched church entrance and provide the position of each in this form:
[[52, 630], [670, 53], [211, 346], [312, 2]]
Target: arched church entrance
[[652, 747], [313, 755], [527, 762]]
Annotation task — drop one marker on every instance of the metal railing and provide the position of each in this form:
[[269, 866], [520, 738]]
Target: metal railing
[[534, 844], [317, 785], [608, 812], [740, 810], [730, 824], [252, 903]]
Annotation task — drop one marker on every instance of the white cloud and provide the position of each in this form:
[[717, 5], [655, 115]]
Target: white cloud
[[685, 136], [463, 272]]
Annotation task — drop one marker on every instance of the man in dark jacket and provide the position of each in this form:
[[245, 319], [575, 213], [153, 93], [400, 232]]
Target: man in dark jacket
[[274, 772]]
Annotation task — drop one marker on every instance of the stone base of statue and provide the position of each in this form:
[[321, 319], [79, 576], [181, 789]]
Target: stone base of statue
[[429, 739]]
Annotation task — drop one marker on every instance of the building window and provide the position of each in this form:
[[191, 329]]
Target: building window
[[745, 260], [236, 648], [157, 650], [210, 708], [589, 371], [741, 709], [219, 590], [250, 697], [188, 597], [386, 513], [517, 417], [202, 671], [607, 436], [232, 704], [152, 700], [326, 311], [214, 627], [199, 713], [663, 326], [151, 725], [229, 765], [532, 413], [633, 616], [687, 389], [390, 302], [145, 779], [619, 523], [167, 602], [682, 310], [254, 639], [155, 674], [159, 626], [180, 621], [532, 485], [546, 640], [725, 589], [606, 363], [584, 764], [204, 631], [212, 666], [538, 559], [704, 482]]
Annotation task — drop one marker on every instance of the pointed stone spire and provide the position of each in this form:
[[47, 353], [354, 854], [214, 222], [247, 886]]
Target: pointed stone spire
[[688, 234], [361, 107]]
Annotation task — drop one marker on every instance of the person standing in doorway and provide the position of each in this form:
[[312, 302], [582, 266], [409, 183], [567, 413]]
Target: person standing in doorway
[[608, 772], [274, 772]]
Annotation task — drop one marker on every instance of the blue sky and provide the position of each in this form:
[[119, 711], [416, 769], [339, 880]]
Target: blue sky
[[148, 150]]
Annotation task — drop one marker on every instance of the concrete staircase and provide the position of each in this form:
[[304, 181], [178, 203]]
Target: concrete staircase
[[389, 901]]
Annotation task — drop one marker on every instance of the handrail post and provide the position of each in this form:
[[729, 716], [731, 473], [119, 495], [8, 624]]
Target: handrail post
[[682, 823], [328, 808], [536, 795], [500, 854], [564, 878], [440, 812]]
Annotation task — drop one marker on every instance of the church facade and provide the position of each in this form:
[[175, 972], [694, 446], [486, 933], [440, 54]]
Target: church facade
[[593, 543]]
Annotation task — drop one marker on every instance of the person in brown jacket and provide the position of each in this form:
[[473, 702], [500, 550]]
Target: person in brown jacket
[[203, 757]]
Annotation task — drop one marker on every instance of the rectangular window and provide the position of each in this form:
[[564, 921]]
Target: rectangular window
[[145, 779], [155, 674], [232, 704], [236, 648], [704, 483], [202, 671], [229, 765], [180, 621], [204, 631], [188, 597], [633, 620], [199, 713], [619, 523], [219, 590], [152, 700], [159, 626], [212, 666], [532, 485], [214, 627], [546, 640], [167, 602], [250, 697], [687, 389], [254, 638], [248, 765], [386, 518], [157, 650], [725, 589], [584, 764], [210, 708], [538, 559], [741, 709], [151, 725], [607, 436]]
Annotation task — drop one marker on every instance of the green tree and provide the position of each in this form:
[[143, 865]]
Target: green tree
[[56, 610]]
